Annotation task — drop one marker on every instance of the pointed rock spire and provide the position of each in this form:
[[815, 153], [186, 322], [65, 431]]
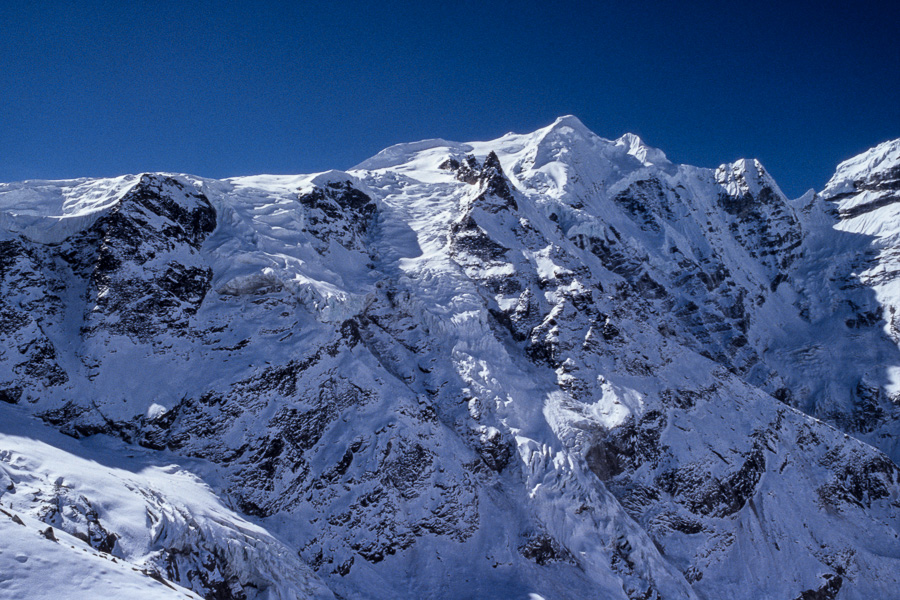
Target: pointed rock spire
[[495, 183]]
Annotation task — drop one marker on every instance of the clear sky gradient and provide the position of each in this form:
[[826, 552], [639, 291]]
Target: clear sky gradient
[[97, 88]]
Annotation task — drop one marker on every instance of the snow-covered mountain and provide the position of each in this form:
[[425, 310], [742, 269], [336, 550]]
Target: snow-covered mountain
[[548, 365]]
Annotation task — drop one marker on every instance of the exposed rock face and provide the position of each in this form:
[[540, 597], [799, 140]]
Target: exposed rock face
[[338, 212], [157, 228], [550, 364]]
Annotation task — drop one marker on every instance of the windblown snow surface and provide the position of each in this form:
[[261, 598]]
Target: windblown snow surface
[[545, 366]]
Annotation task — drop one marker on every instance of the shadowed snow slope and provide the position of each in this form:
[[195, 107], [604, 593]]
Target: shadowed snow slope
[[547, 365]]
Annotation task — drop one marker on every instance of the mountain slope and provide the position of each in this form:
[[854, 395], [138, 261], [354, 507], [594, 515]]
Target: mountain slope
[[547, 364]]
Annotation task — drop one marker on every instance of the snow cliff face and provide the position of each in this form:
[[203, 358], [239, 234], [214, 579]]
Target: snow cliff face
[[547, 364]]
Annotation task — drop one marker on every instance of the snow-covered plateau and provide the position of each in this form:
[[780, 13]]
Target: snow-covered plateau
[[546, 366]]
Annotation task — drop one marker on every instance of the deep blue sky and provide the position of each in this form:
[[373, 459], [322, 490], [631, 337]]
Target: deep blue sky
[[92, 88]]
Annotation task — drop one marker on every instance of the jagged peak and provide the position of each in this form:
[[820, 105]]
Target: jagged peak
[[488, 176], [746, 175], [495, 183], [491, 161]]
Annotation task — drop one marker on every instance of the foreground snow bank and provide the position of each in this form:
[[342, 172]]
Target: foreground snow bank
[[81, 518]]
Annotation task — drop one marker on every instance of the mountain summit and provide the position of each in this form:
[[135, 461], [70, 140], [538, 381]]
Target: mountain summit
[[547, 365]]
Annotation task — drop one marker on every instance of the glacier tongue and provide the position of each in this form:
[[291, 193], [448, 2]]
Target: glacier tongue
[[547, 365], [126, 520]]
